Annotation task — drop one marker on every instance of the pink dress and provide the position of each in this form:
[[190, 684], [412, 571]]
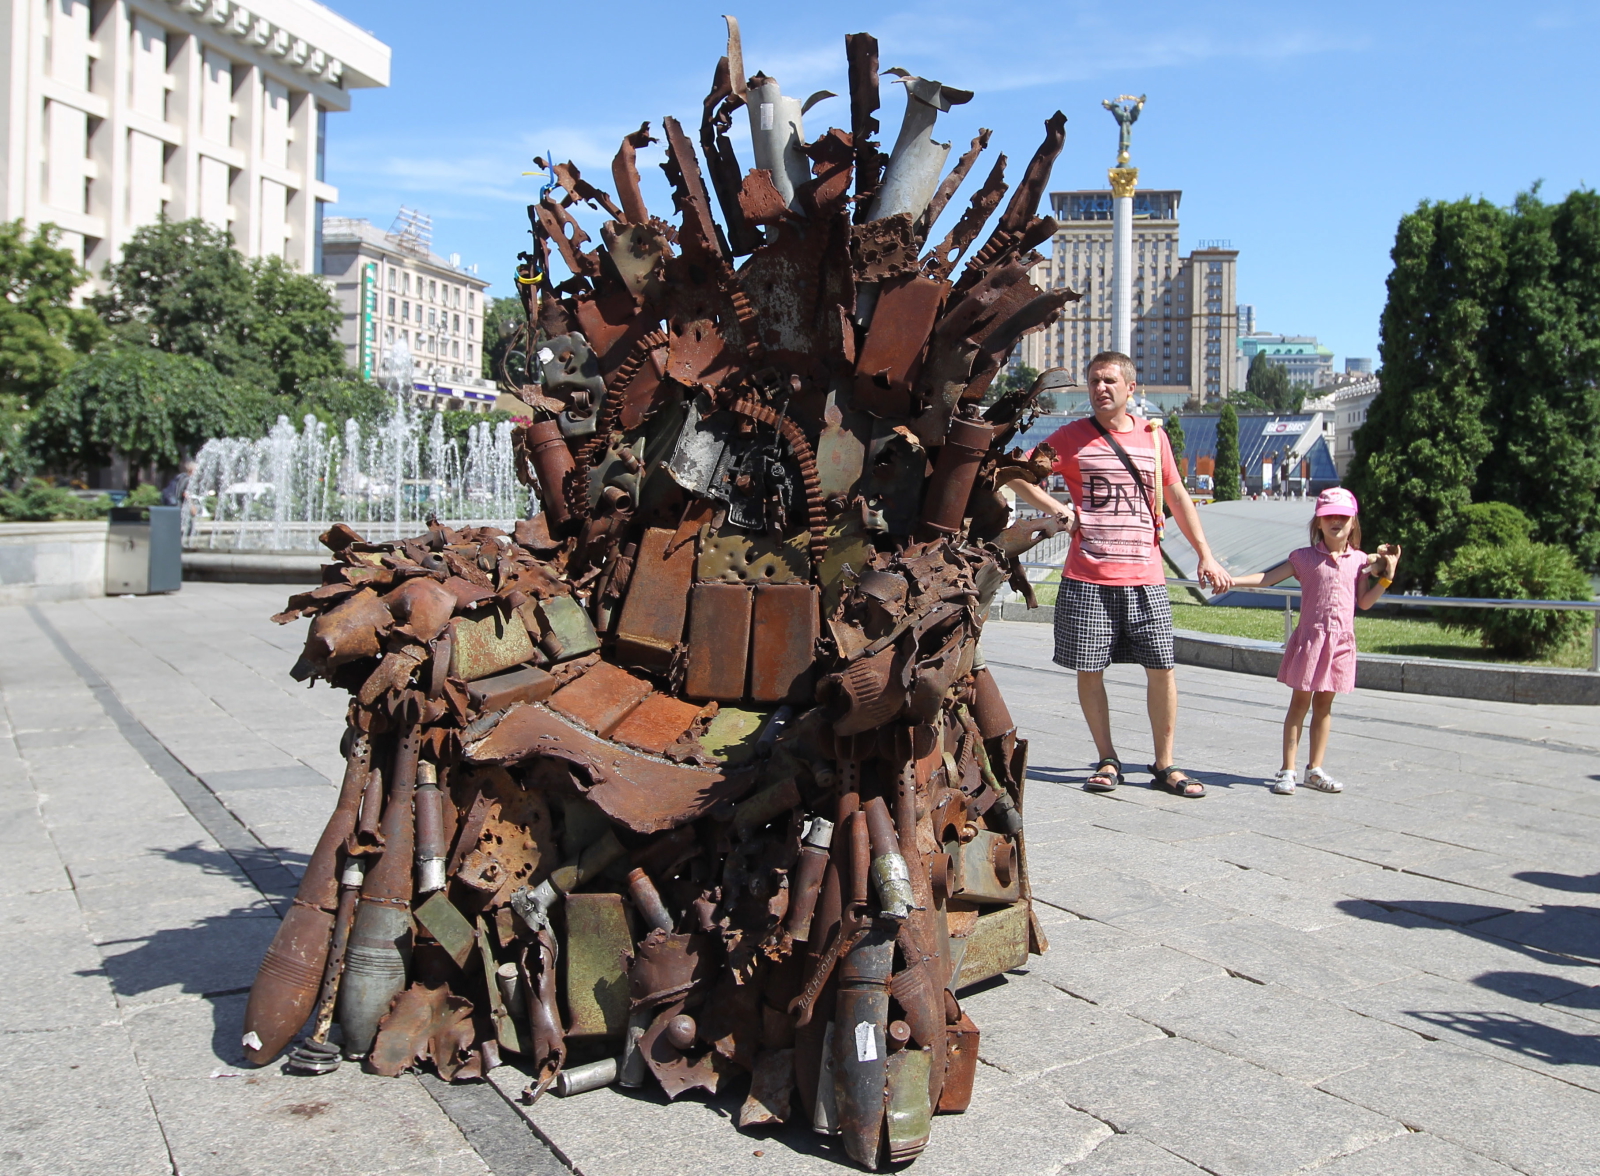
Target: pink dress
[[1321, 654]]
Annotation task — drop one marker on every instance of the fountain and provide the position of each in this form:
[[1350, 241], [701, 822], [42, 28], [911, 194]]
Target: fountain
[[279, 492]]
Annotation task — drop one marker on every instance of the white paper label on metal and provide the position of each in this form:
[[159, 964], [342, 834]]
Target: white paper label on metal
[[866, 1042], [766, 116], [251, 1041], [546, 355]]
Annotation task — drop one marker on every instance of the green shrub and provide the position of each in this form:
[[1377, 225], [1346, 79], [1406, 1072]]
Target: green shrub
[[144, 494], [1485, 524], [1516, 571], [39, 502]]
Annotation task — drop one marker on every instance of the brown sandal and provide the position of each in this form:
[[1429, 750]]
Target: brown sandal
[[1178, 787]]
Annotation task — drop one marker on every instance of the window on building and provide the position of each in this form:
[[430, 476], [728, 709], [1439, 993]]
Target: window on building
[[388, 335], [392, 279], [472, 303], [391, 306], [455, 349], [433, 291], [405, 284], [405, 312], [432, 317], [456, 324], [469, 351]]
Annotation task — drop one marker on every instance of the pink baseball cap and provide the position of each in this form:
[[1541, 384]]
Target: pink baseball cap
[[1337, 501]]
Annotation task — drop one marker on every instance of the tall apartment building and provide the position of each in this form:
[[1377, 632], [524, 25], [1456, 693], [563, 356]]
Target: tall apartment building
[[116, 111], [1185, 319], [397, 293]]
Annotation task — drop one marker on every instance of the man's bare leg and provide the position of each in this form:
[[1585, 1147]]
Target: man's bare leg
[[1161, 700], [1096, 711]]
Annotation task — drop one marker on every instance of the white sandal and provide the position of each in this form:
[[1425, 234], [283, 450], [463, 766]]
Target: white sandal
[[1283, 783], [1321, 781]]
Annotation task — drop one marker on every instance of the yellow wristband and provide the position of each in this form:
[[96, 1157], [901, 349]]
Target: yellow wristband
[[1384, 582]]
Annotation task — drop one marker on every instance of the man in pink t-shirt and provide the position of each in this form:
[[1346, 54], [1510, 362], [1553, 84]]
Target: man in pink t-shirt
[[1112, 605]]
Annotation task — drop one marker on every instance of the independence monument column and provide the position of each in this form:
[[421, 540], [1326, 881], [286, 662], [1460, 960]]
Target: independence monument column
[[1124, 179]]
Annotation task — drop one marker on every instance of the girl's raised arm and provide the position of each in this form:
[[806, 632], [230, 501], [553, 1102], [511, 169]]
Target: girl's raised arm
[[1265, 579]]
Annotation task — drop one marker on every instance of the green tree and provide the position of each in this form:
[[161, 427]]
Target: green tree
[[1225, 477], [41, 333], [1418, 454], [291, 334], [501, 317], [1267, 388], [1543, 352], [181, 287], [142, 403], [1175, 435]]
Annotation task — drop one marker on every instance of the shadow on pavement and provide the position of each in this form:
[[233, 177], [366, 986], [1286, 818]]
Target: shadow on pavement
[[1574, 883], [1556, 935], [1520, 1035]]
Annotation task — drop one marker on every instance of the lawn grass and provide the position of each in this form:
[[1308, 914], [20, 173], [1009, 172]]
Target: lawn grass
[[1402, 637]]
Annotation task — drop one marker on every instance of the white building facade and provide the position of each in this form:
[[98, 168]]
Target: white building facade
[[115, 112], [399, 298], [1350, 404]]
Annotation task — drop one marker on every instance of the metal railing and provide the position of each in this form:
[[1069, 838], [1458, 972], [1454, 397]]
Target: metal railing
[[1288, 594]]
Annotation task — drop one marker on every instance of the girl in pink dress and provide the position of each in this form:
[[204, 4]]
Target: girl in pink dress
[[1335, 578]]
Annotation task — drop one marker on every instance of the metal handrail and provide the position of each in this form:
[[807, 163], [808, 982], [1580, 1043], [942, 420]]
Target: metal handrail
[[1404, 601]]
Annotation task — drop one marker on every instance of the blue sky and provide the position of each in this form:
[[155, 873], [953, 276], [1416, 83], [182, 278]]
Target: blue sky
[[1299, 132]]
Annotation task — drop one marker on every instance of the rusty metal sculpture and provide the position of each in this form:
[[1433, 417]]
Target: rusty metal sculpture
[[698, 772]]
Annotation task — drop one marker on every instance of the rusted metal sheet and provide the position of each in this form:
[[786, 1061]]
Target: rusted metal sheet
[[564, 629], [595, 965], [514, 842], [656, 723], [499, 691], [752, 559], [425, 1024], [488, 641], [910, 1114], [440, 918], [887, 367], [642, 793], [961, 1066], [719, 641], [651, 625], [783, 632], [770, 1088], [601, 698], [997, 943]]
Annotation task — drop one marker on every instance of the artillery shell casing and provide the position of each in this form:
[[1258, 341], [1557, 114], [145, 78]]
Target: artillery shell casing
[[374, 971], [582, 1079]]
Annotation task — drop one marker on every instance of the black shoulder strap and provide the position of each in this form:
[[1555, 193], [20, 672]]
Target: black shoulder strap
[[1138, 478]]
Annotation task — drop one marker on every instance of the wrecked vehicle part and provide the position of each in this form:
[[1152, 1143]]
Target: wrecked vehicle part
[[777, 138]]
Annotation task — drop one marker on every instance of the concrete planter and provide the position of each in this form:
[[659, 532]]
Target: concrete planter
[[52, 561]]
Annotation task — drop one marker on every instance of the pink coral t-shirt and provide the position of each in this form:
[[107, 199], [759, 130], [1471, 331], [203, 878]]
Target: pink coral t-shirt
[[1116, 542]]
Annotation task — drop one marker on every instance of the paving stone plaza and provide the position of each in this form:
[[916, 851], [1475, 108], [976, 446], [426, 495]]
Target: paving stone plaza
[[1399, 979]]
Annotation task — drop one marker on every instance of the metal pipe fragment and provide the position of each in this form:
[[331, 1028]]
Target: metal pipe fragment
[[944, 507], [647, 899], [431, 847], [891, 877], [808, 878], [552, 461]]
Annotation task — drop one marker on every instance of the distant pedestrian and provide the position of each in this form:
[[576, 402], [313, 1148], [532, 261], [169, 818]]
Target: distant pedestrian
[[177, 493], [1336, 578], [1112, 605]]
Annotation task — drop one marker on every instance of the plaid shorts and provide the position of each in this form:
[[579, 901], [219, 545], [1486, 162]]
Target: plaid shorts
[[1097, 624]]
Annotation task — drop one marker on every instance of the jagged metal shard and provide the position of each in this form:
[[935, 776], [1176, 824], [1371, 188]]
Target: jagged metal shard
[[703, 758]]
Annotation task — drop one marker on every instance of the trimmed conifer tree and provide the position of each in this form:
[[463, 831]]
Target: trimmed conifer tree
[[1225, 477], [1417, 456]]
